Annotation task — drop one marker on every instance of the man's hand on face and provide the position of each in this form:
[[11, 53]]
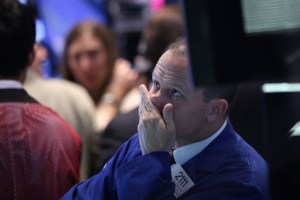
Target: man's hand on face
[[156, 130]]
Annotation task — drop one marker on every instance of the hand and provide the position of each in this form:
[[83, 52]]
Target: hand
[[124, 78], [156, 132], [122, 81]]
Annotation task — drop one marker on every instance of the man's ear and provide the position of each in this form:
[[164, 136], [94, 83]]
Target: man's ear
[[217, 108]]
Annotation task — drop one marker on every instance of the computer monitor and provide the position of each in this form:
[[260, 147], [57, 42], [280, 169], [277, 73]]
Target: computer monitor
[[241, 40], [281, 121]]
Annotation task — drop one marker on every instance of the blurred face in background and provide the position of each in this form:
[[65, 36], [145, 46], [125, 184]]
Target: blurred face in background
[[88, 61]]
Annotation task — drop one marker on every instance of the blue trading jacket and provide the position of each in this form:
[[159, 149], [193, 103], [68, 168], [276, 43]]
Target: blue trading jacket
[[227, 169]]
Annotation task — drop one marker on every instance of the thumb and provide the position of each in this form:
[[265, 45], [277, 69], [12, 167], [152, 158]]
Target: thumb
[[168, 115]]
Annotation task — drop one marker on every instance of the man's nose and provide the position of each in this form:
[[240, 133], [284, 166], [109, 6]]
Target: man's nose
[[159, 100]]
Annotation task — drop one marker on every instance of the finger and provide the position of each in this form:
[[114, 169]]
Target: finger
[[145, 99], [141, 139], [143, 91], [140, 111], [168, 115], [141, 106]]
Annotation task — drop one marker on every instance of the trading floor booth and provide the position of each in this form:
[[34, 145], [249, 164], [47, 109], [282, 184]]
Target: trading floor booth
[[250, 43]]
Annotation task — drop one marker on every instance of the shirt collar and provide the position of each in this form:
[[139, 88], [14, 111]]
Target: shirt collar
[[9, 84], [185, 153]]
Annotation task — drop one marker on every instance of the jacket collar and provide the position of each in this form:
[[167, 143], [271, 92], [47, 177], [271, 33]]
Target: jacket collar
[[185, 153], [213, 155], [15, 95]]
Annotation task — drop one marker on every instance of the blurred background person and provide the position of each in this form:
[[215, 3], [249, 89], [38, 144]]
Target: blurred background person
[[39, 151], [163, 28], [90, 59], [69, 100], [125, 18], [58, 17]]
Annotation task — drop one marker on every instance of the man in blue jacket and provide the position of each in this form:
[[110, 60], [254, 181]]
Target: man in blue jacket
[[211, 160]]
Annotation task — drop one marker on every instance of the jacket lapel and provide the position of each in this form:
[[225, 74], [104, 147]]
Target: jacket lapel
[[212, 156], [15, 95]]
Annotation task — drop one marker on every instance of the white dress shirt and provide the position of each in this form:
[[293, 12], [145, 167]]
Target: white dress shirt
[[8, 84], [185, 153]]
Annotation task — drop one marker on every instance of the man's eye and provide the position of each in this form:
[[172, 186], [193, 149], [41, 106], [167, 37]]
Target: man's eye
[[155, 85], [175, 93]]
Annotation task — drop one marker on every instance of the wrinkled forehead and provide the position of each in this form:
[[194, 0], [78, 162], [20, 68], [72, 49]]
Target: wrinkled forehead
[[170, 63], [175, 65]]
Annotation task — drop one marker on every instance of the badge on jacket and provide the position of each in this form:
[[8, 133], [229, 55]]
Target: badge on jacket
[[181, 179]]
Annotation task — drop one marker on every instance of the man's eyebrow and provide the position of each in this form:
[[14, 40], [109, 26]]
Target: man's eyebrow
[[178, 84], [154, 74]]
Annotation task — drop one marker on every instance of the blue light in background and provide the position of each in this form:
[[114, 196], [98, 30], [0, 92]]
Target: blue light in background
[[60, 16], [40, 31], [23, 1]]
